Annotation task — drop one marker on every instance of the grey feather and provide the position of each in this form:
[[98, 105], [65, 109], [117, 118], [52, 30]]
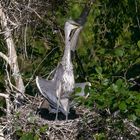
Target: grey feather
[[48, 89]]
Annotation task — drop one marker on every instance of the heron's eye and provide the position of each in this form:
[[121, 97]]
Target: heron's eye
[[72, 33]]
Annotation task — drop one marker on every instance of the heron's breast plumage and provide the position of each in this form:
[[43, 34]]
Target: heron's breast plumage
[[68, 81]]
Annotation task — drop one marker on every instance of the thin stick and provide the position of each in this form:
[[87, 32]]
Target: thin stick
[[6, 96], [31, 78], [4, 57]]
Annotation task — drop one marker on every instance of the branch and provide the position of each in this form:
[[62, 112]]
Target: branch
[[4, 57], [12, 55], [1, 134], [8, 113], [6, 96]]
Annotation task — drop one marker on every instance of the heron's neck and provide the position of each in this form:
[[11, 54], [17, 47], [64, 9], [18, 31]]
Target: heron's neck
[[67, 52]]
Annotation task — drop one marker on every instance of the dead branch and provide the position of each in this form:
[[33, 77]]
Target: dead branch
[[11, 58], [4, 57], [6, 96], [1, 133]]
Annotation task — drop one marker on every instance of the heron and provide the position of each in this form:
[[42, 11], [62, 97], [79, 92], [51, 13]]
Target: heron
[[58, 90]]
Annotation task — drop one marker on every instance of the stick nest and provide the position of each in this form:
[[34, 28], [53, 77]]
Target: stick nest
[[82, 124]]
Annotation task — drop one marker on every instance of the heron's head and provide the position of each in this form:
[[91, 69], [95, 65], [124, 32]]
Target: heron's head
[[70, 28]]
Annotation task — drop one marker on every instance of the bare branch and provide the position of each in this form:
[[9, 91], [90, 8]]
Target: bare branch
[[1, 134], [6, 96], [12, 56], [4, 57]]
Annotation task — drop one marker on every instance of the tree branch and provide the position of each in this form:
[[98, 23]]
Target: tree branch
[[4, 57], [6, 96], [12, 55]]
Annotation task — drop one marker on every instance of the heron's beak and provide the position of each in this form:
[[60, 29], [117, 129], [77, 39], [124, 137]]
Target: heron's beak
[[76, 25]]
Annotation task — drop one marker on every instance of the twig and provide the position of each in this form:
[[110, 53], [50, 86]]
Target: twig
[[35, 13], [31, 78], [6, 96], [8, 78], [25, 41], [1, 134], [4, 57], [137, 13]]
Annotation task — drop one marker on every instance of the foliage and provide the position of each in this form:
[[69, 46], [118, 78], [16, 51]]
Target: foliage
[[112, 63]]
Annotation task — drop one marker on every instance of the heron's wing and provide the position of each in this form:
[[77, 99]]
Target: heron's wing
[[58, 73], [48, 89]]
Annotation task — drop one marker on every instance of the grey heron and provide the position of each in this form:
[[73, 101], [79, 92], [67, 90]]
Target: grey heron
[[57, 90]]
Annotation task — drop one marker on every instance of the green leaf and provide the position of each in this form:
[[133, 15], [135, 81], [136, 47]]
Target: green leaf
[[115, 87], [99, 136], [122, 106], [132, 117], [98, 70], [87, 89], [78, 89], [137, 112], [138, 43], [19, 133], [43, 128], [27, 136], [105, 82], [36, 137], [119, 83], [102, 51], [128, 101], [119, 52]]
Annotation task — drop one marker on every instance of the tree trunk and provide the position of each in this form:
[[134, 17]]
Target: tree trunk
[[11, 57]]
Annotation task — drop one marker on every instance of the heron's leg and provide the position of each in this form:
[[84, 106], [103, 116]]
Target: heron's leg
[[67, 113], [56, 118], [67, 116]]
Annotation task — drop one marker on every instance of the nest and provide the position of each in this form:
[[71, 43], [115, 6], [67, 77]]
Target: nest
[[40, 121], [55, 130], [83, 123]]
